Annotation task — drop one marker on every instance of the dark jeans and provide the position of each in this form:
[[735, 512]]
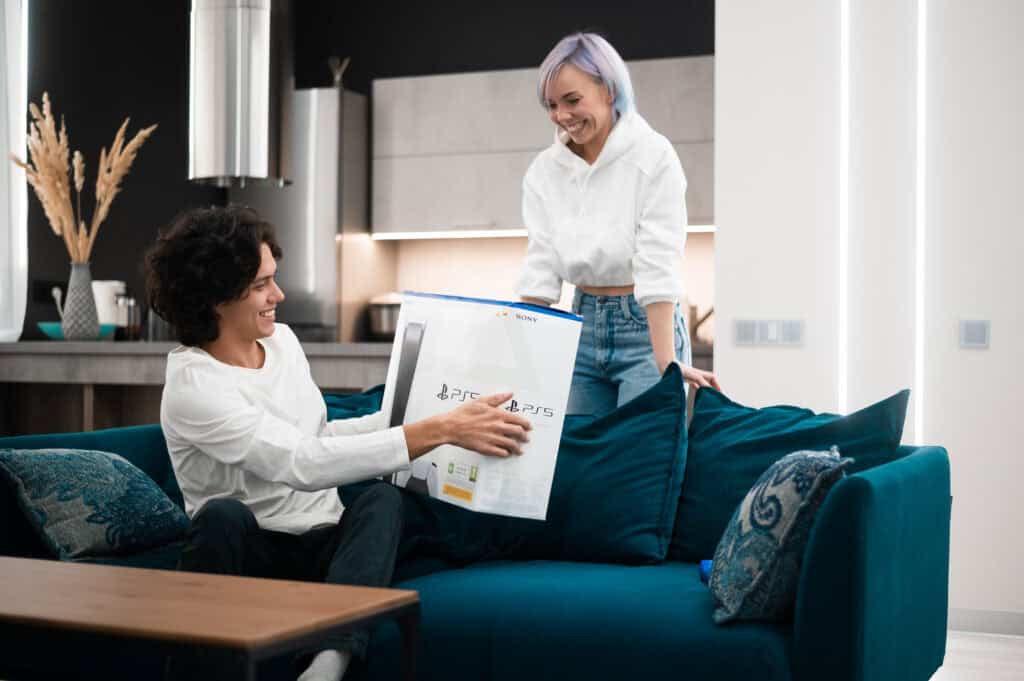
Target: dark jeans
[[361, 550]]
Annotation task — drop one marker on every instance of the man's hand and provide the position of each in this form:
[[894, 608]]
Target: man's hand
[[484, 427], [481, 426]]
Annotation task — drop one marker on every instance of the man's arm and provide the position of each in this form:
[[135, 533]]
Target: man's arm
[[232, 431], [229, 429]]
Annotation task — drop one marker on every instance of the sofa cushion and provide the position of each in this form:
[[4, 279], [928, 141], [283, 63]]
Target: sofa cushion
[[545, 620], [731, 445], [614, 493], [347, 406], [757, 563], [143, 446], [90, 503]]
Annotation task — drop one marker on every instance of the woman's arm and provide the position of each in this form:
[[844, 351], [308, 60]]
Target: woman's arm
[[661, 328], [662, 332], [538, 283]]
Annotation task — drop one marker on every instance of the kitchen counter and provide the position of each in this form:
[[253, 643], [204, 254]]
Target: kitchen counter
[[57, 386], [335, 366]]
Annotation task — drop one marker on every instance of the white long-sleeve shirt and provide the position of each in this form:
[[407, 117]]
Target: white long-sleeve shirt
[[617, 222], [262, 436]]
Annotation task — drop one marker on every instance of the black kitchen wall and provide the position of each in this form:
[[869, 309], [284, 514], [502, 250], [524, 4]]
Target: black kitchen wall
[[100, 61], [388, 39]]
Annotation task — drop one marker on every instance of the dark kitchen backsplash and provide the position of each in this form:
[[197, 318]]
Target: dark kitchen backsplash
[[389, 39], [102, 61]]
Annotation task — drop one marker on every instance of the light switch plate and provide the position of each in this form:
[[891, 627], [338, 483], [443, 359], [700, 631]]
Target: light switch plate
[[745, 332], [975, 334], [765, 332]]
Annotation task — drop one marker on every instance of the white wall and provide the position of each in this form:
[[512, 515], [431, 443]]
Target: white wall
[[778, 129], [975, 244]]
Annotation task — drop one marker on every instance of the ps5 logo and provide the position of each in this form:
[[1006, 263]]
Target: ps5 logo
[[527, 409], [457, 394], [514, 406]]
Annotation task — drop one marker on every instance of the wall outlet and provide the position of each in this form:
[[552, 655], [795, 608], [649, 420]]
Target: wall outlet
[[785, 332], [975, 334]]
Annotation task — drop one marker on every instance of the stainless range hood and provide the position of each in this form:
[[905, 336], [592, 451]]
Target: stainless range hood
[[240, 90]]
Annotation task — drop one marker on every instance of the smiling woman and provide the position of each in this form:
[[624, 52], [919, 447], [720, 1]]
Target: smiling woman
[[605, 210]]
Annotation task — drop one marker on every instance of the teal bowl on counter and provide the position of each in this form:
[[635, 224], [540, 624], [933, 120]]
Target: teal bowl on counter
[[54, 332]]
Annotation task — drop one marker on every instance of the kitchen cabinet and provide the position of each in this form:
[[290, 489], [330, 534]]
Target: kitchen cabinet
[[449, 151]]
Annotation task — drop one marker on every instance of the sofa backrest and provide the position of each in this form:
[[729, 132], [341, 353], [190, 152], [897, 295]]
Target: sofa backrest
[[144, 446]]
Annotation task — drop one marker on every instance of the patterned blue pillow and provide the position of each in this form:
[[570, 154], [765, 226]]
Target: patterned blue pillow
[[757, 562], [85, 503]]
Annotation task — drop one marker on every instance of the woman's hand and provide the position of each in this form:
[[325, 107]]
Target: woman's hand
[[698, 378]]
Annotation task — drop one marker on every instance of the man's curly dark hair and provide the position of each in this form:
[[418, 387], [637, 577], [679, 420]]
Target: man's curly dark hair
[[205, 257]]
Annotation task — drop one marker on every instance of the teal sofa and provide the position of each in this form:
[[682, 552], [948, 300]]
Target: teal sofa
[[872, 597]]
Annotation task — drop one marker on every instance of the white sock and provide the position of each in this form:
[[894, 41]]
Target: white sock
[[328, 665]]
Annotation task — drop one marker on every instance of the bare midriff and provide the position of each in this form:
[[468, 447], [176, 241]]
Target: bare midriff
[[607, 290]]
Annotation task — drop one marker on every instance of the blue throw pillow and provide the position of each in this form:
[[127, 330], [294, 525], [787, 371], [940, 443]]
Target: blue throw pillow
[[756, 567], [731, 445], [85, 503], [342, 406], [614, 494]]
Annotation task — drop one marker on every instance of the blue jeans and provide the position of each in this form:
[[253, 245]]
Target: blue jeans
[[615, 362]]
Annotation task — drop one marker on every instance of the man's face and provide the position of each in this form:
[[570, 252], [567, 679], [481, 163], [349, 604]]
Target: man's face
[[252, 316]]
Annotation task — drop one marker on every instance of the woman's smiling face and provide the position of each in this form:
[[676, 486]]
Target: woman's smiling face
[[582, 108]]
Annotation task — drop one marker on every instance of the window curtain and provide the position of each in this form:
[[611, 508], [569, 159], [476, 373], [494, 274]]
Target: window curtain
[[13, 189]]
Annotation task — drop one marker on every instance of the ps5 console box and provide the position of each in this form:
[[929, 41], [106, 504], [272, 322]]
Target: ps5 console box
[[449, 350]]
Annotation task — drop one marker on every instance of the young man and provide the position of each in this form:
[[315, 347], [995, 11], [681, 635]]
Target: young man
[[256, 459]]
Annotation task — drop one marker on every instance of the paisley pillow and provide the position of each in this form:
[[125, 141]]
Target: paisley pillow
[[85, 503], [757, 563]]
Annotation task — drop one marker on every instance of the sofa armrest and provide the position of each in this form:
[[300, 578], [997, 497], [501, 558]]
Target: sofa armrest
[[872, 600]]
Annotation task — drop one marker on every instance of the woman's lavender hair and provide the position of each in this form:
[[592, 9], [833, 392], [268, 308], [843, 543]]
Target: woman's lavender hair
[[595, 56]]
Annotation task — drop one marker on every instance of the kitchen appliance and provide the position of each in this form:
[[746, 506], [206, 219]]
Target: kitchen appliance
[[240, 86], [106, 292], [383, 311], [308, 147], [328, 197]]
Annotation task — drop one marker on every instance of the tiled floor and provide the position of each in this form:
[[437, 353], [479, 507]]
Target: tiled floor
[[982, 657]]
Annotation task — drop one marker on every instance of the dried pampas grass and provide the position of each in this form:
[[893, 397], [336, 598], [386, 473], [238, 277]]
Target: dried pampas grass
[[49, 173]]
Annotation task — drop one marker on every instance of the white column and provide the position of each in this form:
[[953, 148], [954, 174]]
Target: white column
[[13, 195], [776, 195], [975, 248]]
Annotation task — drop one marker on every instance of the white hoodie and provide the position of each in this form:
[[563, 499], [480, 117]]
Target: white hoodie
[[617, 222], [262, 436]]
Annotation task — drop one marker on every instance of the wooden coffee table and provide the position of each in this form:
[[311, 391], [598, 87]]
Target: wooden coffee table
[[258, 618]]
